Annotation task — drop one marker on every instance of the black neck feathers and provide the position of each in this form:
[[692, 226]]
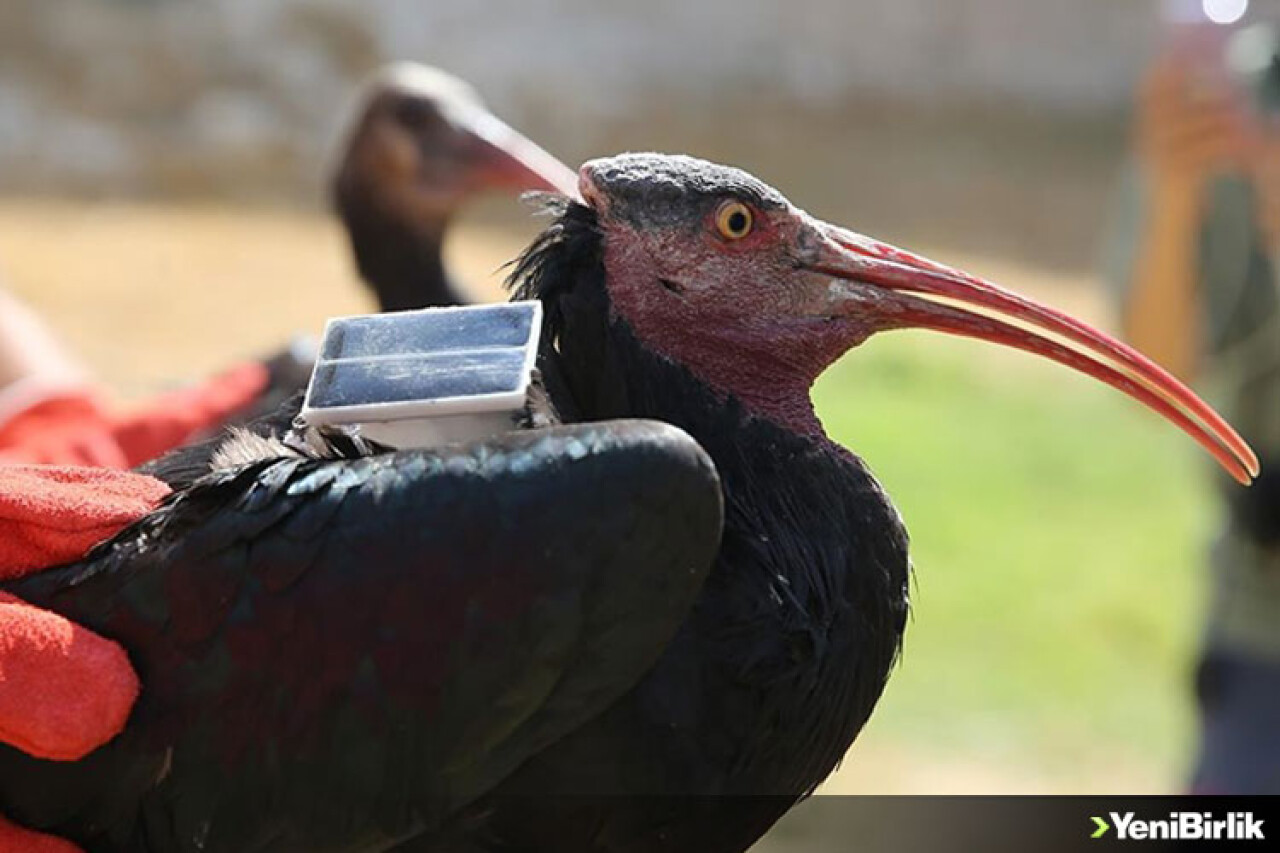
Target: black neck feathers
[[402, 264]]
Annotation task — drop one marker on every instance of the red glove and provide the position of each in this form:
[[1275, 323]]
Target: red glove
[[69, 429], [51, 515], [77, 428], [173, 419], [64, 691]]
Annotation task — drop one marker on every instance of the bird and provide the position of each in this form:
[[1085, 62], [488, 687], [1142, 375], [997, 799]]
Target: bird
[[655, 625], [420, 145]]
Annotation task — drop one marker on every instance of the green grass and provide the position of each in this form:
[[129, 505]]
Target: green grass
[[1058, 532]]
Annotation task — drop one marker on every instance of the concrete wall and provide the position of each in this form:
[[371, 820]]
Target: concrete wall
[[991, 125], [153, 95]]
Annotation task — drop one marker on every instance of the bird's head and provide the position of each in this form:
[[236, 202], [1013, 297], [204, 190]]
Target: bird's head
[[716, 270], [423, 142]]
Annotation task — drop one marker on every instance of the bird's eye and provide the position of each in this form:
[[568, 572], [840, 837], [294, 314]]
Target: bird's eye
[[734, 220]]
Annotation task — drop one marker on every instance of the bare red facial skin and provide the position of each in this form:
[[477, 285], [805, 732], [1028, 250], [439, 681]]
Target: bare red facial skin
[[760, 318], [733, 313]]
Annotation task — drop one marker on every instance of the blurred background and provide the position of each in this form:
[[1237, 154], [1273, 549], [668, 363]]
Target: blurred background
[[162, 172]]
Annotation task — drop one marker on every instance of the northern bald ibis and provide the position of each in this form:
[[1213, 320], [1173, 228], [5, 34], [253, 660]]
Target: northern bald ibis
[[421, 145], [654, 628]]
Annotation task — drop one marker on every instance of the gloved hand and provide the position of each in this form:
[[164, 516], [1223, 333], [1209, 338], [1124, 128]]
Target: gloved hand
[[78, 429], [64, 691]]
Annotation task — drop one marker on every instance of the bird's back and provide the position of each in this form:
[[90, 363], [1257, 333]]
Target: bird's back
[[339, 654]]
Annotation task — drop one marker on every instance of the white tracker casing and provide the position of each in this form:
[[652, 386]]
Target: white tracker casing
[[424, 378]]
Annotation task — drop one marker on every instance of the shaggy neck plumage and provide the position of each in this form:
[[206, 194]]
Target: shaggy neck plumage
[[403, 265]]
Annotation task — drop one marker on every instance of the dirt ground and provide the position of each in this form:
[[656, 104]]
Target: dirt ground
[[153, 295]]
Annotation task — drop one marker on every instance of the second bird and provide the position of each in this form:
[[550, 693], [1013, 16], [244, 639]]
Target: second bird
[[422, 144]]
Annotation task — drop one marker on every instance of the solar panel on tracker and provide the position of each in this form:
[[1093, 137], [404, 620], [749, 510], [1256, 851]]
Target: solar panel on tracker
[[411, 378]]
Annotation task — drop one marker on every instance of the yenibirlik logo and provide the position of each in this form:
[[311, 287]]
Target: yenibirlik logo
[[1182, 826]]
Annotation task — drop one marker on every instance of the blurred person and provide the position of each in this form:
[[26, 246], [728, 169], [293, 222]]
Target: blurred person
[[1194, 269]]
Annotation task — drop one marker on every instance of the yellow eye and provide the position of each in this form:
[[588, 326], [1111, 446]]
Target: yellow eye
[[734, 220]]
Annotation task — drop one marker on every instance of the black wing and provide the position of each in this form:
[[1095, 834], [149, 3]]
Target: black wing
[[340, 654]]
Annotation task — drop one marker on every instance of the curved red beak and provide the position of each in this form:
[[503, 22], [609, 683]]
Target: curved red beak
[[506, 158], [891, 288]]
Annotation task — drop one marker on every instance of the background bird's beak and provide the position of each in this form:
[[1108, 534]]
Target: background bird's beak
[[890, 288], [507, 159]]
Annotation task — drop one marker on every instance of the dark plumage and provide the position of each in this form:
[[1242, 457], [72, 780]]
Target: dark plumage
[[338, 655], [654, 629]]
